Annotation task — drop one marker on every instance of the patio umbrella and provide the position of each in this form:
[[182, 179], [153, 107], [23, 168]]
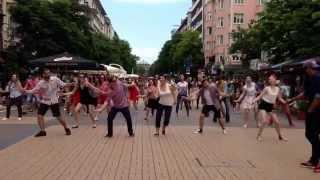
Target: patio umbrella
[[65, 61]]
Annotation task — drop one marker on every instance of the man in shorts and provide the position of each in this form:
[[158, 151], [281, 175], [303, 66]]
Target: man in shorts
[[209, 94], [48, 89]]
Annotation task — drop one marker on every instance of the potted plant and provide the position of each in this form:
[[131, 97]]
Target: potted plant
[[302, 107]]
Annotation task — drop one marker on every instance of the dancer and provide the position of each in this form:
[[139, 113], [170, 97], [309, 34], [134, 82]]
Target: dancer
[[151, 98], [209, 94], [48, 89], [166, 93], [268, 98], [312, 131], [32, 100], [247, 97], [103, 85], [118, 95], [15, 90], [134, 93], [222, 87], [86, 101], [285, 92], [183, 92]]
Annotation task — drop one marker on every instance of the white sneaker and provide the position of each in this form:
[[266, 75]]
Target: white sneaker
[[224, 131], [199, 131], [96, 118], [245, 126], [19, 119], [4, 119], [259, 138]]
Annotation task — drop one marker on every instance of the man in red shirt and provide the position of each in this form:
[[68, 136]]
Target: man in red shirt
[[32, 99]]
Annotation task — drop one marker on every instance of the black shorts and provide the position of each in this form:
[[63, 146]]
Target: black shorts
[[152, 103], [207, 108], [55, 109], [268, 107]]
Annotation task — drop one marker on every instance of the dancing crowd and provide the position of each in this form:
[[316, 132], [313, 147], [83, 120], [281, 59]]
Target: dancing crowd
[[96, 94]]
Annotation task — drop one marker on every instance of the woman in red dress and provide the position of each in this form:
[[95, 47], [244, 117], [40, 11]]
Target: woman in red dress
[[134, 93]]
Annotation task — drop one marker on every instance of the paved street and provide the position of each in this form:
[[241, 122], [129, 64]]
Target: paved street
[[178, 155]]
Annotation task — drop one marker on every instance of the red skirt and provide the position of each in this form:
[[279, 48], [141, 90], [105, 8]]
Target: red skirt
[[102, 99], [75, 98]]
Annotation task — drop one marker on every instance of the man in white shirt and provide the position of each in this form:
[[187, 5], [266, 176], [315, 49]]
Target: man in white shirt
[[48, 89]]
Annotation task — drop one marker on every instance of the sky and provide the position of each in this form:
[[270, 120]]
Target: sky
[[146, 24]]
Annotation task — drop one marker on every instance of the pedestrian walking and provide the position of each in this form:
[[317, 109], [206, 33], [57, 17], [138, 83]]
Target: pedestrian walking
[[48, 89]]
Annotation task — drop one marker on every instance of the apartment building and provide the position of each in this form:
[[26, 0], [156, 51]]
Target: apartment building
[[99, 21], [221, 18], [196, 15], [7, 25]]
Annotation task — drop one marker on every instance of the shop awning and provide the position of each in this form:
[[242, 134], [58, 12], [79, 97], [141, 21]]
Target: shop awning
[[66, 61]]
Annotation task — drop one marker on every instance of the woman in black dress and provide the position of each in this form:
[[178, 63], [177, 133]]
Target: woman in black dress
[[86, 101]]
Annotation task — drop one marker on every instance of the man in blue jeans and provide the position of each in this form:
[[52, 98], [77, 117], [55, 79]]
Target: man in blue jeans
[[312, 94]]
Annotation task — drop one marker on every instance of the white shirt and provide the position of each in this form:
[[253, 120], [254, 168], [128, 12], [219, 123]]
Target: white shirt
[[166, 97], [250, 91], [183, 88], [271, 95], [13, 90], [48, 90]]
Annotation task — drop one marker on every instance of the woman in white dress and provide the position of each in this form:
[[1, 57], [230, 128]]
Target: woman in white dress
[[268, 97], [247, 97]]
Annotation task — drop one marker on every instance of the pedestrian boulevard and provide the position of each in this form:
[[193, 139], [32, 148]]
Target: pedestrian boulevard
[[180, 155]]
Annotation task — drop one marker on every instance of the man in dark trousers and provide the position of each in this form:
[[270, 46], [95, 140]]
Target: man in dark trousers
[[312, 94]]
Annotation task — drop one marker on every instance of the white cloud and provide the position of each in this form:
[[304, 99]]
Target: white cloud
[[149, 1], [146, 54]]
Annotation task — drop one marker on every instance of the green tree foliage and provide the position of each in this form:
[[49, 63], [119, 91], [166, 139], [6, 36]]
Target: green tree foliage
[[285, 29], [50, 27], [175, 52]]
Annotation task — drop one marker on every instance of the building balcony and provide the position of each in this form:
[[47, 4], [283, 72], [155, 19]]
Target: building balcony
[[195, 5], [197, 17]]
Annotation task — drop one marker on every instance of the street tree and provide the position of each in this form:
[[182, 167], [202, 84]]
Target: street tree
[[285, 29]]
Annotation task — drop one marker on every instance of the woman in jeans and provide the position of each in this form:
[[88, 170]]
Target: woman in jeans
[[166, 94], [15, 90]]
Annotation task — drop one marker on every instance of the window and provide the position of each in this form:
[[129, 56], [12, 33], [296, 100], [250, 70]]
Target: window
[[235, 58], [261, 2], [238, 18], [221, 4], [209, 16], [239, 1], [221, 59], [220, 39], [209, 30], [220, 22]]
